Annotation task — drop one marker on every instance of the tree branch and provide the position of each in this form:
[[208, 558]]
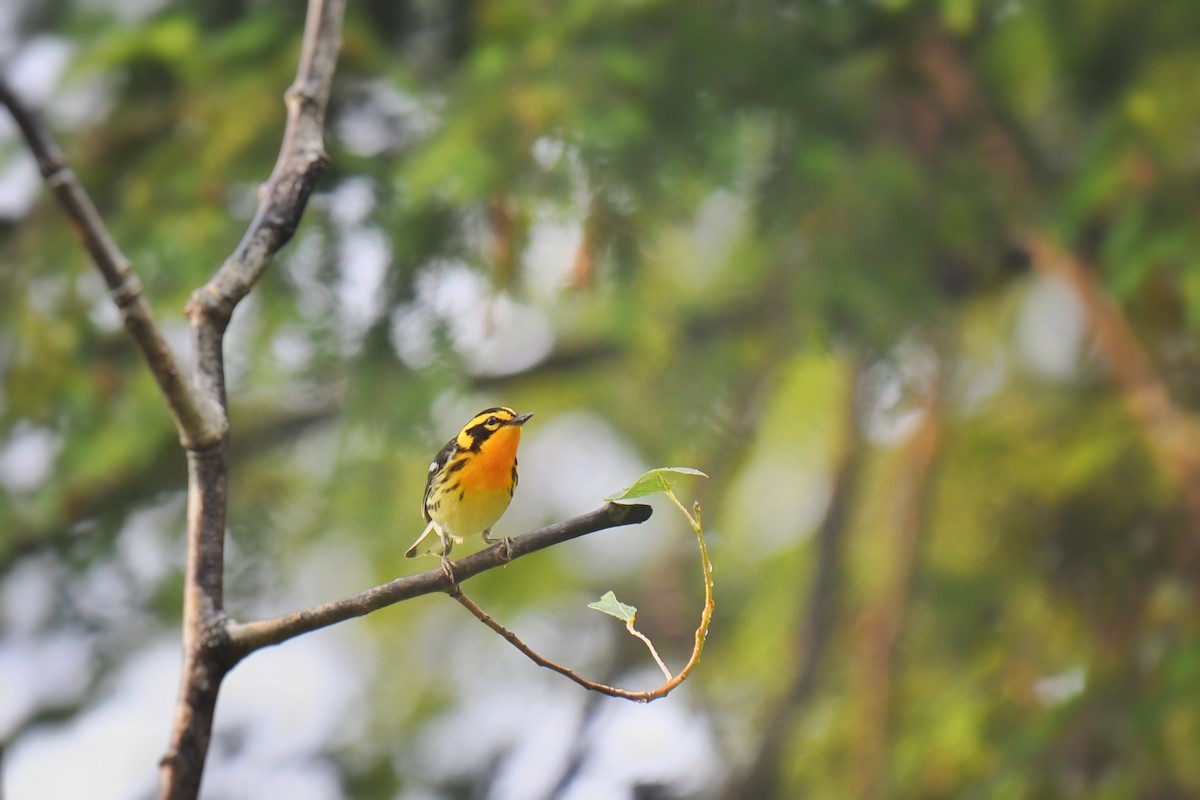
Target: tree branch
[[128, 484], [205, 660], [247, 637], [200, 423], [301, 161], [207, 653], [672, 681]]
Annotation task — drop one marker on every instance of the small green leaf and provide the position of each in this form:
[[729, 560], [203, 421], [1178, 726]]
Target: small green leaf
[[610, 605], [653, 482]]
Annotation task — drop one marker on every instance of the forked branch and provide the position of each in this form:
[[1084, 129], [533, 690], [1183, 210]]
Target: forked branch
[[302, 159], [208, 654], [213, 644], [200, 423]]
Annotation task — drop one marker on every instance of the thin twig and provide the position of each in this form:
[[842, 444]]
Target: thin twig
[[247, 637], [649, 646], [456, 592], [200, 423]]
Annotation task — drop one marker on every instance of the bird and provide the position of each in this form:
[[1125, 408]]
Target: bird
[[471, 481]]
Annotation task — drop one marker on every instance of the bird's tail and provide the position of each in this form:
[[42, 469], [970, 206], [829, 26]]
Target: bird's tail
[[412, 551]]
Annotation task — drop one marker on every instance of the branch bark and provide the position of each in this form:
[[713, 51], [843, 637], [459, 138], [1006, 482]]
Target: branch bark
[[302, 159], [245, 638], [212, 643], [207, 652], [645, 696], [200, 422]]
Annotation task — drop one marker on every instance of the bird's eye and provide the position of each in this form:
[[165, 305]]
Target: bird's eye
[[493, 421]]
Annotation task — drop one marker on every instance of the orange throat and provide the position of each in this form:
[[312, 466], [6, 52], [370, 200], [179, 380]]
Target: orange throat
[[492, 467]]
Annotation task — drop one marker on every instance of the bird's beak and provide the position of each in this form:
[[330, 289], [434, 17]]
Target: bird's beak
[[521, 419]]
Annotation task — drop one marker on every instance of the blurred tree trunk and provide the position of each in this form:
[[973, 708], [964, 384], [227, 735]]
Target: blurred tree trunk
[[764, 777], [1170, 431], [897, 551]]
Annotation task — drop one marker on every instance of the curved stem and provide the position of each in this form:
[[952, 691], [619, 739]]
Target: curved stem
[[613, 691]]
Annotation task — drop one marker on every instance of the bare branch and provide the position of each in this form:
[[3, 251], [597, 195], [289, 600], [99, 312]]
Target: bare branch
[[247, 637], [156, 473], [199, 422], [301, 161], [205, 662], [208, 655], [603, 688], [612, 691]]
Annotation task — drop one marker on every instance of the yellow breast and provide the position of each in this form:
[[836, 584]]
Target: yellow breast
[[476, 497], [470, 514]]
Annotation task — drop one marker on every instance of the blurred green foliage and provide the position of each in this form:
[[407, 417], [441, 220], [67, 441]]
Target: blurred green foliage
[[720, 211]]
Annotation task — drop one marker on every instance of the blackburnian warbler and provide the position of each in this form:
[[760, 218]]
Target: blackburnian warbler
[[472, 480]]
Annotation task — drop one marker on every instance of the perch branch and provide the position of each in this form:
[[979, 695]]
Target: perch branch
[[247, 637], [200, 423]]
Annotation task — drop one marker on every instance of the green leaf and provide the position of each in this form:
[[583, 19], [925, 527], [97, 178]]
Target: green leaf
[[609, 604], [653, 482]]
